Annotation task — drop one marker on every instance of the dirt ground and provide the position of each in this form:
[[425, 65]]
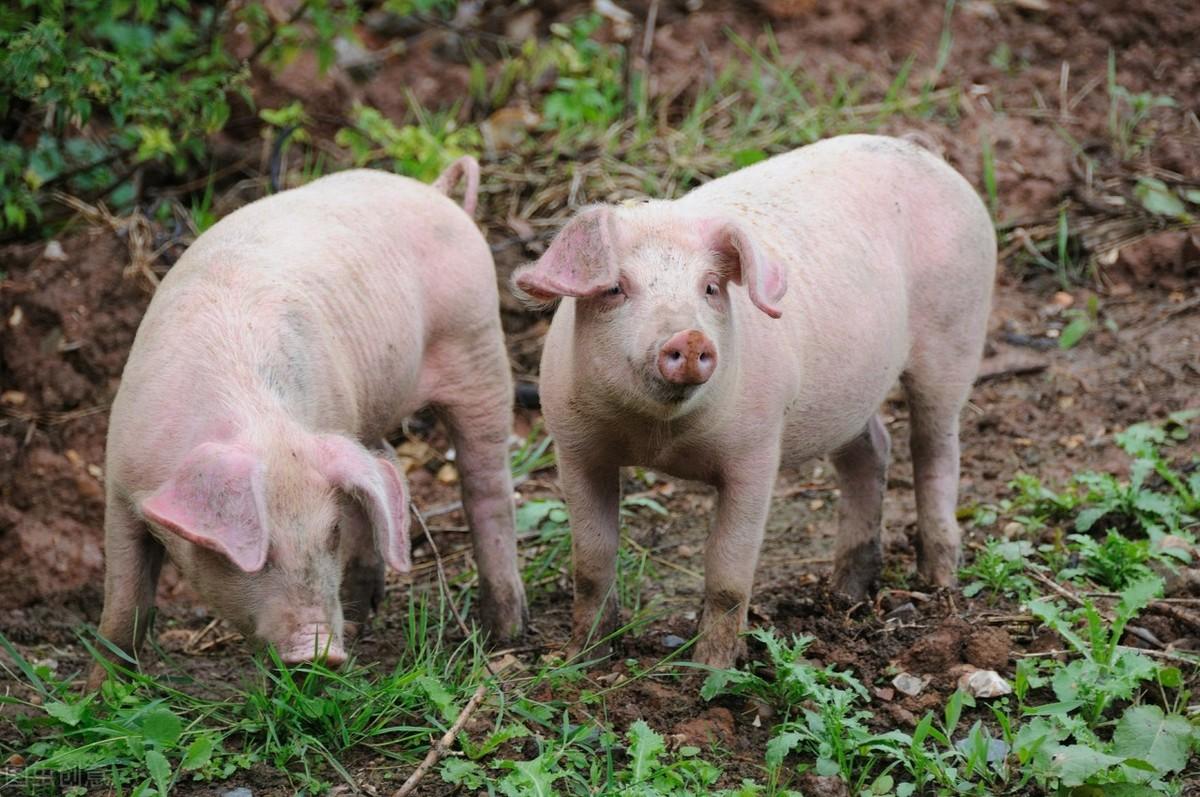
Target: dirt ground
[[69, 312]]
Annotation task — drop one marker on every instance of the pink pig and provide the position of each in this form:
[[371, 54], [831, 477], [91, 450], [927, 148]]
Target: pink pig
[[295, 331], [759, 322]]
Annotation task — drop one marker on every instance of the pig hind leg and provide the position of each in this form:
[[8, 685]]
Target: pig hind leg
[[862, 478], [479, 417], [133, 559], [936, 395]]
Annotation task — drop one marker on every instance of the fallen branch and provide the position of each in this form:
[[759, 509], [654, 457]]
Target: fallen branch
[[442, 746]]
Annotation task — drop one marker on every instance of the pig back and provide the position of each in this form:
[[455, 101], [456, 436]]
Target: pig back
[[865, 225], [321, 301]]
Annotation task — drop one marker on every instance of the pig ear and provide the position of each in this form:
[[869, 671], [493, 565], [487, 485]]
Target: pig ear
[[580, 262], [764, 278], [376, 482], [217, 499]]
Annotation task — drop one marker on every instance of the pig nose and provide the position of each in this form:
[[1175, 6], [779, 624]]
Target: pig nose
[[687, 358], [314, 643]]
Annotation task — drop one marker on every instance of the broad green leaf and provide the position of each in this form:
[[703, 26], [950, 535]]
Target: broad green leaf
[[780, 746], [1157, 198], [162, 726], [1073, 332], [68, 713], [1075, 763], [645, 746], [461, 772], [1145, 733], [439, 696], [160, 771], [198, 753]]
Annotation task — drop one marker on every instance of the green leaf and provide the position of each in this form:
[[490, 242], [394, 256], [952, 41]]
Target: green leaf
[[1075, 763], [1145, 733], [460, 772], [160, 771], [645, 746], [198, 753], [1073, 332], [748, 157], [1157, 198], [162, 726], [68, 714], [1192, 195], [780, 746]]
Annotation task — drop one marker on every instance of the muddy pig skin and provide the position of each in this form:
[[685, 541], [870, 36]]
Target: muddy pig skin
[[754, 324], [295, 331]]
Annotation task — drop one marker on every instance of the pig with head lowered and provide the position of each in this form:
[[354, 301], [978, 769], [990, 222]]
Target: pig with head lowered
[[758, 322], [295, 333]]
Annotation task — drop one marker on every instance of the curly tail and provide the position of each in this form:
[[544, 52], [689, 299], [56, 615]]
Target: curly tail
[[454, 172]]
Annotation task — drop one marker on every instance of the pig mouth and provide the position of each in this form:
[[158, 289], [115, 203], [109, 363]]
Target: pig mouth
[[315, 643]]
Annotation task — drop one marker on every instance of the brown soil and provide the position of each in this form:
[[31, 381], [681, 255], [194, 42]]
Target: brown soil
[[68, 317]]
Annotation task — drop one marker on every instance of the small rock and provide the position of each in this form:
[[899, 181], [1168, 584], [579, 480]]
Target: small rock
[[13, 398], [447, 474], [816, 504], [240, 791], [671, 642], [686, 551], [54, 251], [1064, 299], [910, 685], [984, 684], [17, 316], [885, 693]]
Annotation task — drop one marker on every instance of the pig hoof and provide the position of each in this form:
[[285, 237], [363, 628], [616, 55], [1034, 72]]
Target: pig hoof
[[854, 584], [720, 654]]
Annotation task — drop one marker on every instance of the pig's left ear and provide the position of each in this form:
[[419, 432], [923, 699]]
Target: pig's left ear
[[764, 278], [580, 262], [378, 485]]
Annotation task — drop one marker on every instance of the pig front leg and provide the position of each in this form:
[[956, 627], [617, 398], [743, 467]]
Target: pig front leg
[[861, 467], [731, 557], [593, 494], [480, 431], [132, 561], [363, 569]]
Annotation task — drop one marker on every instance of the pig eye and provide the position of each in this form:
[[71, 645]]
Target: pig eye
[[615, 290], [711, 289]]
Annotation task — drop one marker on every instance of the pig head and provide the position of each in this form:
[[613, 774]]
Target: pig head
[[262, 525]]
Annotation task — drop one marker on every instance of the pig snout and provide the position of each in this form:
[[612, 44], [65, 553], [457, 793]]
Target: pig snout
[[687, 358], [313, 642]]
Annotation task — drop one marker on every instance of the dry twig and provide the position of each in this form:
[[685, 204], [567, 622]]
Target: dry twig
[[442, 746]]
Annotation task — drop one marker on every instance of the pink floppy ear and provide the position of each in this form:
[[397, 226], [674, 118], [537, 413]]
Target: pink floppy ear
[[217, 500], [376, 482], [765, 279], [580, 262]]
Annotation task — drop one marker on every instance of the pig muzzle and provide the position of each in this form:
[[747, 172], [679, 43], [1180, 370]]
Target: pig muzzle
[[314, 642], [687, 358]]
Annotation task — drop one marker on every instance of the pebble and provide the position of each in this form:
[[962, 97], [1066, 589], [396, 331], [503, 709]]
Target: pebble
[[909, 684], [671, 641], [240, 791]]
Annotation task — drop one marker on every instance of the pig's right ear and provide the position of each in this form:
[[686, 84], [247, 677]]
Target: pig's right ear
[[217, 500], [581, 261], [377, 483]]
